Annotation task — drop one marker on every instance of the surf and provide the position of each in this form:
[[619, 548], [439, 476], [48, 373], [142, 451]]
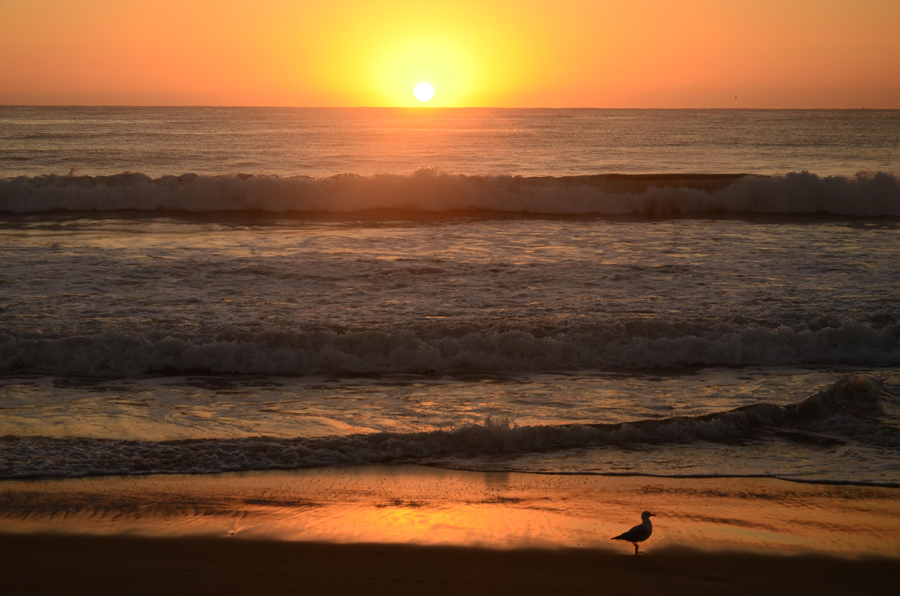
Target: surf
[[844, 411], [866, 194]]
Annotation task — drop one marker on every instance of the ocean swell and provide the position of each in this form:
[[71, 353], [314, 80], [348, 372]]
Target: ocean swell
[[865, 194]]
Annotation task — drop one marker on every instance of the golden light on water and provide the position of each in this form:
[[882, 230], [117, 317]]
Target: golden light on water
[[423, 92]]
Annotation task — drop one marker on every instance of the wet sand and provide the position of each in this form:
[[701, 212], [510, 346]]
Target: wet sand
[[34, 564], [413, 529], [407, 504]]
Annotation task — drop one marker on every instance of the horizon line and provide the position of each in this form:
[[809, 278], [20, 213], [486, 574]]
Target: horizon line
[[236, 106]]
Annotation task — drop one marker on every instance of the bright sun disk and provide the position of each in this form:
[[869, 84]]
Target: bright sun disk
[[423, 91]]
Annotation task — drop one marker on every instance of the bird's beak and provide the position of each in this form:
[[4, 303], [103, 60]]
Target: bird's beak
[[652, 515]]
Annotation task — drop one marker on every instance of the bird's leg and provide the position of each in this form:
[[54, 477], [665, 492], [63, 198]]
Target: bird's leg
[[635, 548]]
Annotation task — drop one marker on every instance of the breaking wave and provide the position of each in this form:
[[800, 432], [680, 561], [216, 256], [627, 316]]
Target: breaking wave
[[452, 350], [851, 399], [865, 194]]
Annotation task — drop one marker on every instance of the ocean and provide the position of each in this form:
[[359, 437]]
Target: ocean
[[679, 293]]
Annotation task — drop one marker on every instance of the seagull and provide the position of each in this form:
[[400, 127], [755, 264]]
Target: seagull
[[638, 533]]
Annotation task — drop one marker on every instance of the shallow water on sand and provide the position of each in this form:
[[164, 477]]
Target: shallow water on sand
[[416, 505]]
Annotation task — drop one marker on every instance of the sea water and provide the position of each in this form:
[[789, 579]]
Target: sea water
[[676, 293]]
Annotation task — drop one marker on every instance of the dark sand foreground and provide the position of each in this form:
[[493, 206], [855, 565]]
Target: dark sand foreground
[[41, 564]]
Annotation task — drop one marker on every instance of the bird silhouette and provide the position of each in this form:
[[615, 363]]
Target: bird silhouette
[[638, 533]]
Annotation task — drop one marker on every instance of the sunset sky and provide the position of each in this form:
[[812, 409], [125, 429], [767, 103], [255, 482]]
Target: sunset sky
[[508, 53]]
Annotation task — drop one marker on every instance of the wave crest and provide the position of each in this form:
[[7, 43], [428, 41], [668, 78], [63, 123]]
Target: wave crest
[[30, 457], [428, 190]]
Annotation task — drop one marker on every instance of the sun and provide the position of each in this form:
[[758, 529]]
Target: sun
[[423, 92]]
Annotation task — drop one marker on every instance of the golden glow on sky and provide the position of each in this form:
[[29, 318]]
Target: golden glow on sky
[[528, 53]]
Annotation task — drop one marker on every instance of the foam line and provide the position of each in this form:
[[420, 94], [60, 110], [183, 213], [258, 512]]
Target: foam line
[[852, 401]]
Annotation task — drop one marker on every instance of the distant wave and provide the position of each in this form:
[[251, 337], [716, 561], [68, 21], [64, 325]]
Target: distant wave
[[865, 194], [448, 349], [849, 408]]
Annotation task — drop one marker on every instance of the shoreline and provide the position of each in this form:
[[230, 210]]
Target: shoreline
[[424, 506]]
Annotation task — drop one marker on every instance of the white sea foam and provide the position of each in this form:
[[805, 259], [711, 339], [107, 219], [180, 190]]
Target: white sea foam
[[444, 351], [865, 194], [852, 400]]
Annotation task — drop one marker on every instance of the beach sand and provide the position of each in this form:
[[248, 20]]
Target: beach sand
[[414, 529], [115, 565]]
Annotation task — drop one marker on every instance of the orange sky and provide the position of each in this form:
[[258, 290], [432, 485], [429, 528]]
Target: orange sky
[[522, 53]]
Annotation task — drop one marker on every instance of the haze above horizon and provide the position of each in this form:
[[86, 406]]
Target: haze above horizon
[[527, 53]]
